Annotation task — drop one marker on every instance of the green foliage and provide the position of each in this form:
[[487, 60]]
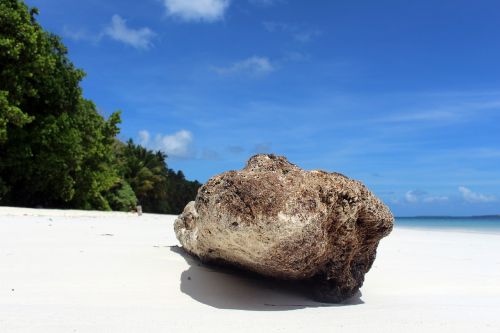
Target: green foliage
[[18, 38], [35, 70], [55, 148], [97, 172], [122, 197], [158, 188], [180, 191], [146, 172]]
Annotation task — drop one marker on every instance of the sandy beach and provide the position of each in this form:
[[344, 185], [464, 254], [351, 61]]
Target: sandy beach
[[78, 271]]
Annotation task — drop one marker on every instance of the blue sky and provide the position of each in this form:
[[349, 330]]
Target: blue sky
[[402, 95]]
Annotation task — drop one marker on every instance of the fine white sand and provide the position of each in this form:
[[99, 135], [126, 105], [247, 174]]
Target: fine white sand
[[73, 271]]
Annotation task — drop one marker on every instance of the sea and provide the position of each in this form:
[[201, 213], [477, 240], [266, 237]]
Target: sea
[[488, 224]]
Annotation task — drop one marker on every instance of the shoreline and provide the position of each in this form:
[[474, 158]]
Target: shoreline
[[54, 212], [493, 231], [69, 213]]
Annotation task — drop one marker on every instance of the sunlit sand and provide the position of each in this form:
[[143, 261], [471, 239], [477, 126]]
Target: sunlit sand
[[77, 271]]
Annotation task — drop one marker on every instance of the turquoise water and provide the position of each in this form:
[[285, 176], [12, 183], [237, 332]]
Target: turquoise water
[[477, 224]]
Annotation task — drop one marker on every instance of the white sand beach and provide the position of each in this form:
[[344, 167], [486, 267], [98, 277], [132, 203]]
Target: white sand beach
[[75, 271]]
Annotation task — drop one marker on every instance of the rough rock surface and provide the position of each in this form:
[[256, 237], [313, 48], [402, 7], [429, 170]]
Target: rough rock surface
[[281, 221]]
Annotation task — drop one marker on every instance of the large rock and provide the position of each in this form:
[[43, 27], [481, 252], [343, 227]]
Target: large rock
[[278, 220]]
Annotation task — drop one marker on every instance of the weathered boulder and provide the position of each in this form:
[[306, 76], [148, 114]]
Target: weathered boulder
[[281, 221]]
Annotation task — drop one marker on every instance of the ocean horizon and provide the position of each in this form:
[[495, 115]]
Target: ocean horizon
[[487, 223]]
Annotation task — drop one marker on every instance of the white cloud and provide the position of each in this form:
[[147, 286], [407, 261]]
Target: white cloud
[[306, 35], [175, 145], [138, 38], [435, 115], [78, 35], [418, 196], [144, 138], [415, 196], [457, 110], [474, 197], [253, 65], [264, 2], [197, 10], [433, 199], [299, 33], [411, 196]]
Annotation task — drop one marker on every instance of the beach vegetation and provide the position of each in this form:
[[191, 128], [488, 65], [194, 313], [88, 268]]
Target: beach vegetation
[[56, 149]]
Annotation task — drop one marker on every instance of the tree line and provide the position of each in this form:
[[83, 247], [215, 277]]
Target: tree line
[[56, 149]]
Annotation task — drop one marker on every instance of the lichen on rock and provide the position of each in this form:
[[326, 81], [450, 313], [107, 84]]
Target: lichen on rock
[[284, 222]]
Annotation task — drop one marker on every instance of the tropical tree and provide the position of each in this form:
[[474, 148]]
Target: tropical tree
[[55, 148], [180, 191], [146, 172], [158, 188]]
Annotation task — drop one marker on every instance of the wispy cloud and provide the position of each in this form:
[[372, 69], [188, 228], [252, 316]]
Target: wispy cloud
[[119, 31], [473, 197], [254, 66], [299, 33], [79, 35], [419, 196], [447, 112], [296, 56], [436, 115], [306, 35], [197, 10], [265, 2], [434, 199], [413, 196], [144, 138]]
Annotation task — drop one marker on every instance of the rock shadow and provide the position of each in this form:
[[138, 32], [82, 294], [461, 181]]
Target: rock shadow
[[226, 287]]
